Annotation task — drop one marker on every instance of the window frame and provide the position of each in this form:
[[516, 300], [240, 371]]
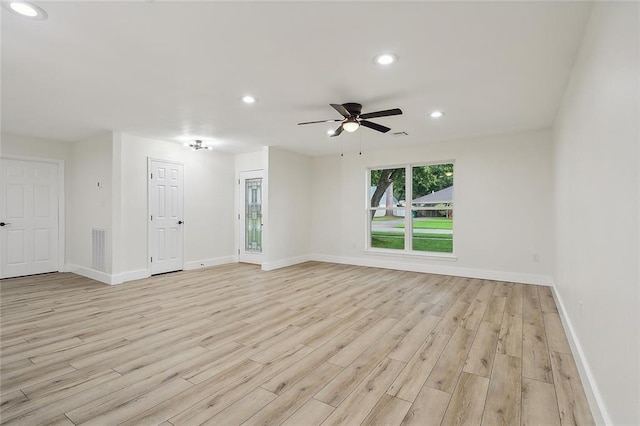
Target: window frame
[[408, 209]]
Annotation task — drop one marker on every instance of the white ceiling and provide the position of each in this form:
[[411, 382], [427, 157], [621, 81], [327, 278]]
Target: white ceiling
[[172, 70]]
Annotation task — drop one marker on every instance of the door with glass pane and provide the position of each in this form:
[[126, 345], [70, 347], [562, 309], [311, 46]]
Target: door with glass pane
[[250, 244]]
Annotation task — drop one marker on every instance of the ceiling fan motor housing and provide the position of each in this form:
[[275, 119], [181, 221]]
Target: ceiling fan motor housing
[[353, 108]]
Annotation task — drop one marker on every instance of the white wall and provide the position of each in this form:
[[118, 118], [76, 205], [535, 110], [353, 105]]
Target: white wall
[[208, 198], [595, 149], [34, 147], [89, 205], [287, 230], [502, 207]]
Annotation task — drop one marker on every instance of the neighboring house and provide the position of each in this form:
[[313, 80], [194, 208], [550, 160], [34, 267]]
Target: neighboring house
[[442, 199], [383, 203]]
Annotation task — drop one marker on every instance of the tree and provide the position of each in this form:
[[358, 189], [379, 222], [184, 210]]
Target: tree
[[384, 179]]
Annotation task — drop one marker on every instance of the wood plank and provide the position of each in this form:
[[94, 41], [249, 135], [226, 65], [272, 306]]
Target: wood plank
[[503, 398], [343, 384], [556, 338], [513, 304], [244, 408], [539, 405], [312, 413], [572, 401], [428, 409], [360, 402], [547, 302], [452, 318], [387, 411], [483, 350], [290, 401], [495, 310], [410, 381], [531, 311], [353, 350], [447, 370], [467, 401], [472, 318], [136, 405], [535, 354], [510, 338], [290, 376], [410, 344]]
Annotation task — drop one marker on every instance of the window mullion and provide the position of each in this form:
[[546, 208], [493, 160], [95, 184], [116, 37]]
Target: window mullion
[[408, 212]]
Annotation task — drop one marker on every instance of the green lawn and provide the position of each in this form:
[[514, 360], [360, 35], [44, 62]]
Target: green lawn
[[442, 243], [430, 223], [386, 218]]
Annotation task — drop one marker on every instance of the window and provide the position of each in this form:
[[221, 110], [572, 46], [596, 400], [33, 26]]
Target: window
[[411, 209]]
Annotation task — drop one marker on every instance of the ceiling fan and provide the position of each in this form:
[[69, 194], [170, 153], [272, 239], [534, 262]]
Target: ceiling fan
[[353, 118]]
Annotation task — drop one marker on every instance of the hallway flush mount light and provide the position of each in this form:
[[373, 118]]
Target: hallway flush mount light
[[197, 145], [26, 9]]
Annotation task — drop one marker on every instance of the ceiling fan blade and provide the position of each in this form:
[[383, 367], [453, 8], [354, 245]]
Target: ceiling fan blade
[[337, 132], [385, 113], [374, 126], [321, 121], [342, 110]]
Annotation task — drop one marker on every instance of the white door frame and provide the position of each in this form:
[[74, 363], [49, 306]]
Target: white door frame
[[248, 257], [61, 201], [149, 230]]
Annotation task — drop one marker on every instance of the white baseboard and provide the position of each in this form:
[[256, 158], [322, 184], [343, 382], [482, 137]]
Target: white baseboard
[[430, 268], [131, 276], [596, 403], [282, 263], [209, 262], [101, 276]]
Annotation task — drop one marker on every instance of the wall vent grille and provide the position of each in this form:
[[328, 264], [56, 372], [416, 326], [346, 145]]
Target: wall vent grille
[[99, 248]]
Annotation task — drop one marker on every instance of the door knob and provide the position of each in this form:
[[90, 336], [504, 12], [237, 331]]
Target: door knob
[[180, 222], [3, 224]]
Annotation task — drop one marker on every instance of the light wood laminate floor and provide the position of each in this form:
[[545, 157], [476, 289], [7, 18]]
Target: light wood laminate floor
[[311, 344]]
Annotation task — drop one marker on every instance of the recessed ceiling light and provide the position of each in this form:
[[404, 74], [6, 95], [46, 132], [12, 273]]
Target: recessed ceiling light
[[27, 10], [436, 114], [248, 99], [331, 132], [385, 59]]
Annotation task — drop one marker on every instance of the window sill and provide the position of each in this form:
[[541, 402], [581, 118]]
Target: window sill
[[448, 257]]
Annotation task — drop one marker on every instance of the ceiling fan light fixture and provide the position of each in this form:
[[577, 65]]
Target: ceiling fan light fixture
[[350, 125]]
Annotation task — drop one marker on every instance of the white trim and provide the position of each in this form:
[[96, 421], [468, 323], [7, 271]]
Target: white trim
[[431, 255], [484, 274], [283, 263], [61, 201], [105, 278], [594, 397], [210, 262], [100, 276], [131, 276]]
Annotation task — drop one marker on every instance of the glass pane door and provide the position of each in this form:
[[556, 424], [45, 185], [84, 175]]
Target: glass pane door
[[253, 215]]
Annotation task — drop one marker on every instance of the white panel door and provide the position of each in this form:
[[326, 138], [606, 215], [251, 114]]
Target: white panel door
[[166, 189], [250, 215], [28, 218]]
